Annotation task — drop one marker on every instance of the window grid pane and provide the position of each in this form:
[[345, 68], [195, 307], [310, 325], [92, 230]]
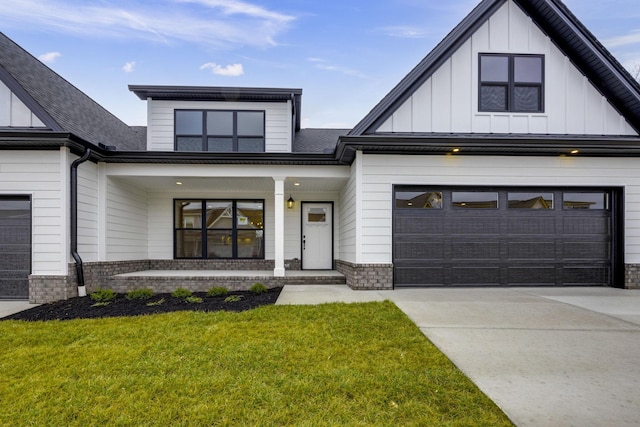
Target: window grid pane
[[419, 200], [526, 98], [530, 200], [189, 122], [250, 123], [220, 123], [474, 199], [493, 98], [494, 68]]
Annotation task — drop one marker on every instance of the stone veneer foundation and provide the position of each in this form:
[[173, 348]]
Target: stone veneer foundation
[[632, 276], [44, 289], [366, 276]]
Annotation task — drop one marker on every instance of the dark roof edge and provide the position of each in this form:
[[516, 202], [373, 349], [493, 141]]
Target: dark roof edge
[[427, 66], [25, 140], [486, 145], [170, 92]]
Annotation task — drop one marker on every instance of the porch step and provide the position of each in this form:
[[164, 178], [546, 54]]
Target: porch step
[[202, 280]]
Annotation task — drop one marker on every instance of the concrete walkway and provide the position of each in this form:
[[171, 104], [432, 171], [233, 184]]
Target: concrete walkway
[[8, 307], [546, 356]]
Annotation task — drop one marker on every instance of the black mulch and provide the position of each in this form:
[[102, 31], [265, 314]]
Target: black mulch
[[83, 307]]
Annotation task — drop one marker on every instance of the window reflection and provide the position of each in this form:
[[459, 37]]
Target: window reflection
[[585, 200], [474, 199], [530, 200], [419, 199]]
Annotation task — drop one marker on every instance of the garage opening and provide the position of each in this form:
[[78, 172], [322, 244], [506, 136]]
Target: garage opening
[[505, 236], [15, 247]]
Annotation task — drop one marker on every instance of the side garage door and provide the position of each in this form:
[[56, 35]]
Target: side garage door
[[15, 247], [502, 236]]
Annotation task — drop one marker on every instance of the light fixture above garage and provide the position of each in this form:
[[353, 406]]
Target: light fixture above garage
[[178, 182], [575, 151], [455, 150]]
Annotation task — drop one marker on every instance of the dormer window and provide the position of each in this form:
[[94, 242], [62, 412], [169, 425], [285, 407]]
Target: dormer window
[[219, 131], [511, 83]]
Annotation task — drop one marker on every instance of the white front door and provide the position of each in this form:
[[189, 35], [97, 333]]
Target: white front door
[[317, 236]]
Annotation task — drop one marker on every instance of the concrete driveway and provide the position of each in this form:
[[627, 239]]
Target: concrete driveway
[[546, 356]]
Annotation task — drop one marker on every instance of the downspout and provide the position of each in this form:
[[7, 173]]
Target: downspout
[[82, 291]]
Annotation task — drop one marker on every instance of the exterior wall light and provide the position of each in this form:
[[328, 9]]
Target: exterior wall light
[[290, 202]]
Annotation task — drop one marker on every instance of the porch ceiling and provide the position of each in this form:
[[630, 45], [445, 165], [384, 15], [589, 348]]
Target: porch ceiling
[[235, 184]]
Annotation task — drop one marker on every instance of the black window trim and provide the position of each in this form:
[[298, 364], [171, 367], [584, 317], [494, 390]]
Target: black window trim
[[511, 84], [205, 135], [203, 227]]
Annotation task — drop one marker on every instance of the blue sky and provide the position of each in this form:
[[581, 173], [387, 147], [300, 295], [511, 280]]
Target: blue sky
[[345, 55]]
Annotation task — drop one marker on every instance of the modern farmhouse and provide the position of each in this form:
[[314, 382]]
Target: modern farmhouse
[[509, 156]]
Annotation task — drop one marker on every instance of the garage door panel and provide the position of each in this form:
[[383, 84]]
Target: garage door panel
[[586, 250], [526, 249], [543, 240], [532, 275], [525, 225], [15, 246], [416, 224], [474, 250], [586, 275], [419, 276], [431, 250], [473, 225], [591, 225], [475, 276]]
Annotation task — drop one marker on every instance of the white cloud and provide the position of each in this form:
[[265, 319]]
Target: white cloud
[[232, 70], [49, 57], [322, 64], [628, 39], [129, 67], [405, 32], [216, 23]]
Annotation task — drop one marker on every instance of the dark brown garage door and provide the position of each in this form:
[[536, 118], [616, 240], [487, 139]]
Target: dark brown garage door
[[503, 236], [15, 247]]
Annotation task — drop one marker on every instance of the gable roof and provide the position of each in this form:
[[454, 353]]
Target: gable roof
[[565, 31], [61, 106]]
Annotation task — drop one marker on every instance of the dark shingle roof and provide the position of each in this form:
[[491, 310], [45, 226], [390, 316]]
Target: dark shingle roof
[[59, 104], [564, 29], [317, 140]]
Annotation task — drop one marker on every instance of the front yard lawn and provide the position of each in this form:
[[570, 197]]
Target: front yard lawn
[[327, 365]]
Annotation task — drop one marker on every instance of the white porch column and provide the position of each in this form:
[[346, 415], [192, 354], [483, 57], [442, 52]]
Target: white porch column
[[278, 271]]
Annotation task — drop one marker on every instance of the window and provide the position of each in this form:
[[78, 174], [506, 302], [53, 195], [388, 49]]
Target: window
[[219, 131], [530, 200], [511, 83], [419, 199], [219, 229], [474, 199], [597, 200]]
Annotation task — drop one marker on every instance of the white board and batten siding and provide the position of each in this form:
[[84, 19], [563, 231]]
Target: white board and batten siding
[[14, 113], [381, 172], [278, 121], [448, 101]]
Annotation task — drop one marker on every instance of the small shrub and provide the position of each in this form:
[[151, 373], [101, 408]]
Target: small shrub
[[181, 293], [233, 298], [139, 294], [101, 304], [217, 291], [103, 295], [193, 299], [258, 288], [155, 303]]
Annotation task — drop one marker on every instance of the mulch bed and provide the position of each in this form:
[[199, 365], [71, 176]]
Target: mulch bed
[[84, 307]]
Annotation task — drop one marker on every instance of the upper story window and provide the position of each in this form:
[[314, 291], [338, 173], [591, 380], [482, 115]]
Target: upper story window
[[219, 131], [512, 83]]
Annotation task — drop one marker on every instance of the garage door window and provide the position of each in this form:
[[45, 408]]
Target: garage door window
[[474, 199], [419, 199], [585, 201], [530, 200]]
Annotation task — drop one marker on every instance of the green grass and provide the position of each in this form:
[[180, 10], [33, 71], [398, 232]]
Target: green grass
[[327, 365]]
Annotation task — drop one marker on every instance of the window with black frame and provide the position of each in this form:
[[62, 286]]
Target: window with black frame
[[511, 83], [220, 131], [217, 229]]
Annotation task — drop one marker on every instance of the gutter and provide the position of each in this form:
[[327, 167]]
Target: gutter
[[82, 290]]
